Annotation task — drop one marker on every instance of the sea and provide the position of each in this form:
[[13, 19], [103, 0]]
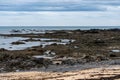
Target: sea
[[7, 29]]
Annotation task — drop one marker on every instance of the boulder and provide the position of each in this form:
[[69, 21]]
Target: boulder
[[42, 61], [2, 49], [17, 43], [69, 62]]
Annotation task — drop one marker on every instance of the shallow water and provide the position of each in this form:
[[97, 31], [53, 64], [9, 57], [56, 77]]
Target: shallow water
[[116, 51], [5, 42]]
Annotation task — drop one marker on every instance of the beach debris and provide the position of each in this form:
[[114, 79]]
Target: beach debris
[[49, 53]]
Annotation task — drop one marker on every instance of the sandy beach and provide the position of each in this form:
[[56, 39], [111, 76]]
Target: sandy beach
[[104, 73]]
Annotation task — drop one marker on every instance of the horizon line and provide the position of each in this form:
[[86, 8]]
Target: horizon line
[[58, 26]]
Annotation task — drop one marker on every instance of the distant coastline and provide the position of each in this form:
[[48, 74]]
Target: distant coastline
[[7, 29]]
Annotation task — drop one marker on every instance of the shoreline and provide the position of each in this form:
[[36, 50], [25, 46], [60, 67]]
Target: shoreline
[[99, 72], [88, 48]]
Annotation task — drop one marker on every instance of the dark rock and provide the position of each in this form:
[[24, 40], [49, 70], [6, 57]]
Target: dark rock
[[92, 31], [28, 64], [13, 63], [17, 43], [69, 62], [42, 61], [98, 41], [115, 29], [87, 58], [113, 55], [100, 58], [2, 49], [15, 31]]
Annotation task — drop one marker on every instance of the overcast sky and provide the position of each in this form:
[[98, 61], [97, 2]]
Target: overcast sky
[[60, 12]]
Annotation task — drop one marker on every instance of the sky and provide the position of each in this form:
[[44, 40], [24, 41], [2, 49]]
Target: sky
[[60, 12]]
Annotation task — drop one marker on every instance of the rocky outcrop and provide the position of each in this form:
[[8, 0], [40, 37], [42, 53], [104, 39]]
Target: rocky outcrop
[[2, 49], [17, 43], [42, 61]]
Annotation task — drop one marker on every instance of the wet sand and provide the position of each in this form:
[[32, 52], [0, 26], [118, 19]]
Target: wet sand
[[105, 70]]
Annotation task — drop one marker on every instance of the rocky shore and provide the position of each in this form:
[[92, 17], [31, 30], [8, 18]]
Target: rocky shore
[[61, 47]]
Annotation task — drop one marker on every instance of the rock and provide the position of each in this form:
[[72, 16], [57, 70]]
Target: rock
[[42, 61], [57, 62], [87, 58], [99, 41], [2, 69], [80, 61], [113, 55], [100, 58], [2, 49], [69, 62], [31, 39], [28, 64], [17, 43], [49, 53], [17, 70], [92, 31], [13, 63], [16, 31]]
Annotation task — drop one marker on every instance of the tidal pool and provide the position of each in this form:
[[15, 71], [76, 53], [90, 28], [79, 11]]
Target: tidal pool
[[5, 42]]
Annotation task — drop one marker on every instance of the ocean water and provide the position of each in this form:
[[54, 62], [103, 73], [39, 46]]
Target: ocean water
[[7, 29]]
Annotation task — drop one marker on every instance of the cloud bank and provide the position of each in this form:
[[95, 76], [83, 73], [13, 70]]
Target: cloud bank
[[60, 12], [59, 5]]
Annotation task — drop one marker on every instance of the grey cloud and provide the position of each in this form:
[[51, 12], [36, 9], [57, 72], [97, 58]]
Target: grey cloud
[[57, 5]]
